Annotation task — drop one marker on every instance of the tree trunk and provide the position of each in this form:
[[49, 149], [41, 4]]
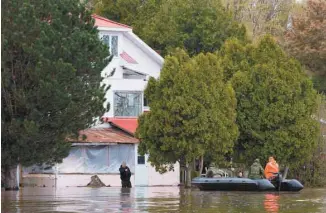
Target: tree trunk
[[182, 170], [182, 174], [11, 182], [201, 165], [188, 177], [194, 164]]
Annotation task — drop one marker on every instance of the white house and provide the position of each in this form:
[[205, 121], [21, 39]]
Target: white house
[[108, 144]]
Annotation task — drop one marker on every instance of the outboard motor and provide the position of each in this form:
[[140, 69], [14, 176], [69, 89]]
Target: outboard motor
[[286, 185]]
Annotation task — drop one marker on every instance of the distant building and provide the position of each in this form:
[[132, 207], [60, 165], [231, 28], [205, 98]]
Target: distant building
[[108, 144]]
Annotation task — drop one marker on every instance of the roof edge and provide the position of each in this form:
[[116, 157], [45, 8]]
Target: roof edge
[[108, 20], [122, 129], [143, 46]]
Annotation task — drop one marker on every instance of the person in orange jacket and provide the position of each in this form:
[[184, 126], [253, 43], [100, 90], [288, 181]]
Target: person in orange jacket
[[271, 167]]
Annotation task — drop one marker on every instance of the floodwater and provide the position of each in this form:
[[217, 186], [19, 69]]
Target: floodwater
[[159, 199]]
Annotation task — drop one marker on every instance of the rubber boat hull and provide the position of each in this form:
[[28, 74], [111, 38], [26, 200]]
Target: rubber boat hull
[[244, 184]]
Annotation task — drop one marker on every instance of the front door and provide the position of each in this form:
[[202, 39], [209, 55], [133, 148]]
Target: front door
[[141, 170]]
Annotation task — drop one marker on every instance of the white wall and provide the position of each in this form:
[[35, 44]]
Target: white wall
[[154, 178], [146, 64], [70, 180], [121, 85], [83, 180], [167, 179]]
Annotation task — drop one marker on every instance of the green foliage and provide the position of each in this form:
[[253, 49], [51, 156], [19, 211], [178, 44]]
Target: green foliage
[[313, 172], [194, 174], [51, 63], [122, 11], [192, 112], [275, 105], [235, 57], [197, 26], [135, 13]]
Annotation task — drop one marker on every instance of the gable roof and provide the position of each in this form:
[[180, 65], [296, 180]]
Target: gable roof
[[104, 22], [109, 25]]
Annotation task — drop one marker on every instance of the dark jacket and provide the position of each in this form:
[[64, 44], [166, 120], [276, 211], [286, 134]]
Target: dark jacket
[[125, 173], [256, 170]]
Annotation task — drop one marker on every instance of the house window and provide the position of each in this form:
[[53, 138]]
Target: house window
[[141, 159], [145, 102], [112, 43], [127, 104]]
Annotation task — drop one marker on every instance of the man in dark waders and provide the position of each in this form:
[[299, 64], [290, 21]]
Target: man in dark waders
[[125, 175], [256, 170]]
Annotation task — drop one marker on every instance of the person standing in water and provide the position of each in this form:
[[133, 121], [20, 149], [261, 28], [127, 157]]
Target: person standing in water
[[271, 168], [125, 175]]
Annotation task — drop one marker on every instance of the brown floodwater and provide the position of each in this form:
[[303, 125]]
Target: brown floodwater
[[159, 199]]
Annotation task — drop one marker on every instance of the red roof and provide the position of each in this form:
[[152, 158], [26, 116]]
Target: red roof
[[128, 58], [104, 22], [126, 124], [106, 135]]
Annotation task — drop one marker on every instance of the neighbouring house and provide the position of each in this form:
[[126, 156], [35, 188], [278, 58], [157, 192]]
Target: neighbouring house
[[110, 143]]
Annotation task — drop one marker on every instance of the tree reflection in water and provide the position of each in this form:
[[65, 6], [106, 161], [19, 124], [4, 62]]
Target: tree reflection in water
[[271, 203]]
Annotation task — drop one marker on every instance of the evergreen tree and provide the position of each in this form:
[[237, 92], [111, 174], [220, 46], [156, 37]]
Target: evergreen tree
[[192, 112], [51, 62], [275, 104], [122, 11], [196, 26]]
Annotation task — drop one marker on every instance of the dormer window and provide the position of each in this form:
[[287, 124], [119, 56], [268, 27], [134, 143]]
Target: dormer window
[[112, 42]]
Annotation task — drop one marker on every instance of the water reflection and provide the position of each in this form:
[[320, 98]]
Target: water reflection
[[159, 199], [271, 203], [126, 204]]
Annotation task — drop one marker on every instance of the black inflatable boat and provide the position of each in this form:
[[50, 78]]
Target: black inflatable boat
[[245, 184]]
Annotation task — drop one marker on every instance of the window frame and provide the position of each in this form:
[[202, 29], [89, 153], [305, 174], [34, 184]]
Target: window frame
[[128, 91], [143, 158], [110, 35]]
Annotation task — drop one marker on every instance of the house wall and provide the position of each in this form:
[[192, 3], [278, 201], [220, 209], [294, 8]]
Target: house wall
[[171, 178], [70, 180], [121, 85], [145, 65], [145, 172], [84, 179]]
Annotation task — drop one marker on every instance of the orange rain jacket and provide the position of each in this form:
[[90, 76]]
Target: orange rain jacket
[[271, 167]]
